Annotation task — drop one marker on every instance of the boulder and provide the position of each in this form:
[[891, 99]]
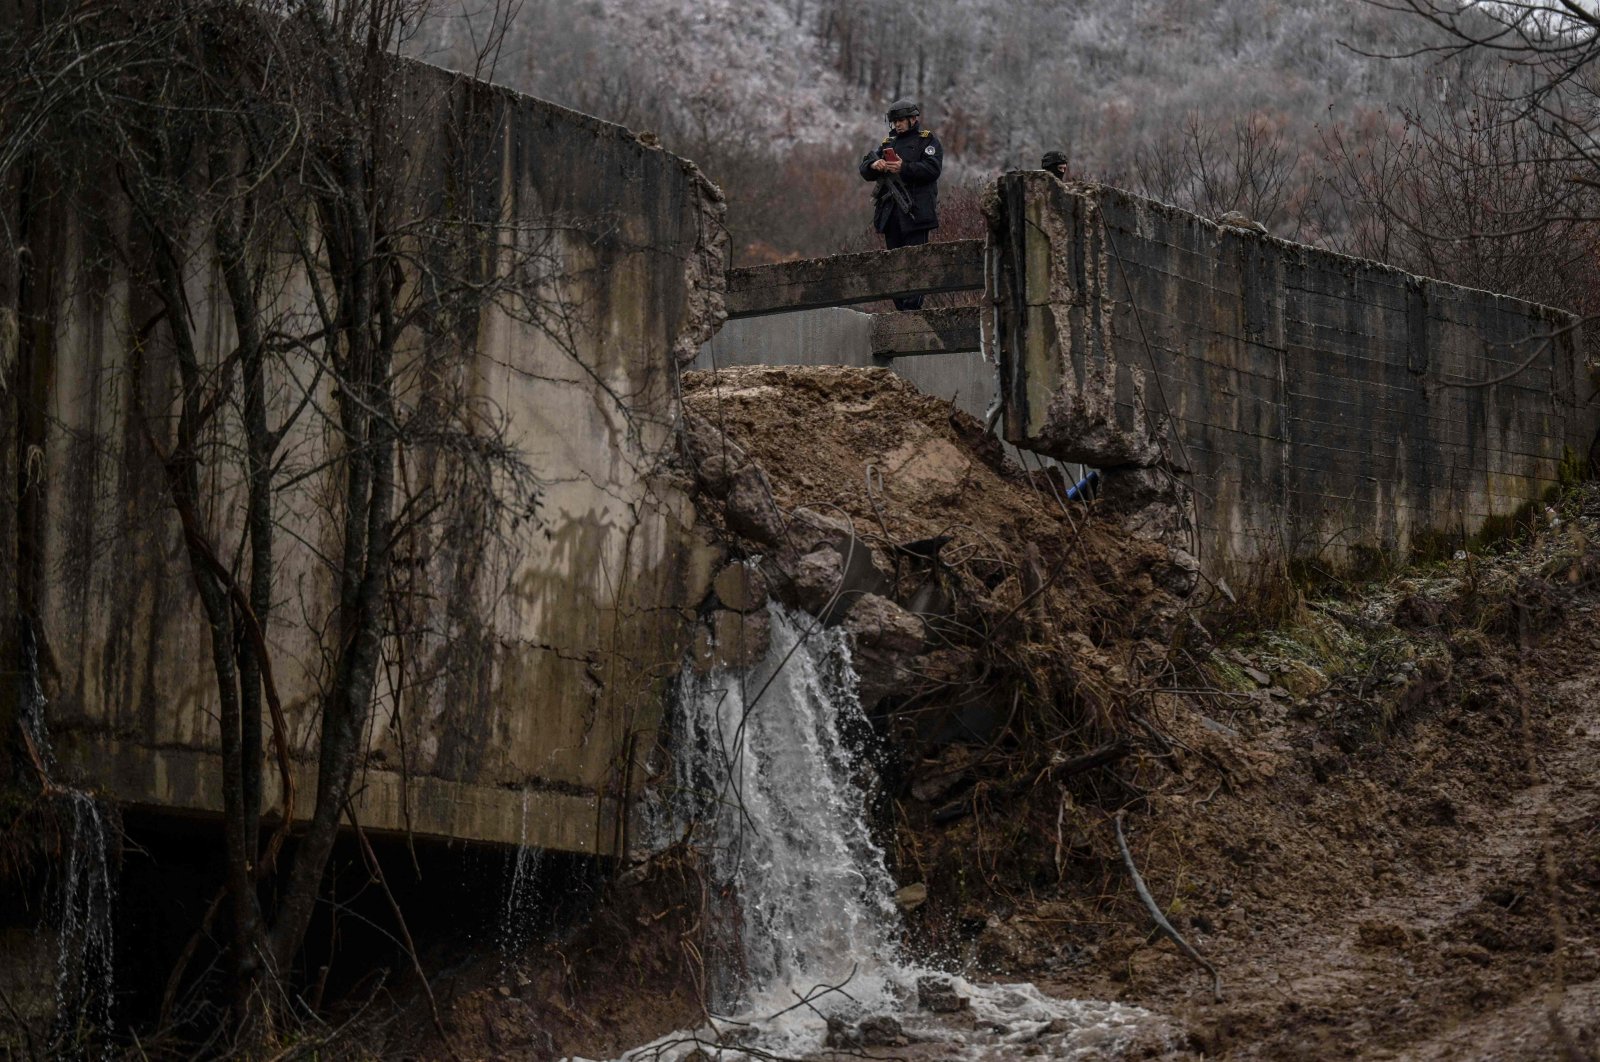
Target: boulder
[[731, 641], [938, 994], [883, 639], [741, 587], [749, 508]]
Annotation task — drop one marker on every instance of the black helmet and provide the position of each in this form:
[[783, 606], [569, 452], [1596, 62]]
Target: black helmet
[[903, 109], [1051, 160]]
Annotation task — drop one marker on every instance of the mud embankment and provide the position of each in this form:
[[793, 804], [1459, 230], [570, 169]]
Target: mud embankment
[[1379, 817]]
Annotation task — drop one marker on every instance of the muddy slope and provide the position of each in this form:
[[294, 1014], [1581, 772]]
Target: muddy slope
[[1378, 816]]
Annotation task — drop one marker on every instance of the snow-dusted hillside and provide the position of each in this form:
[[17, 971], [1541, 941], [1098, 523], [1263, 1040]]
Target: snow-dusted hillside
[[776, 98]]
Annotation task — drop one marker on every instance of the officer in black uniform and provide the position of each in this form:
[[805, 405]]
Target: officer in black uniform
[[1055, 162], [920, 158]]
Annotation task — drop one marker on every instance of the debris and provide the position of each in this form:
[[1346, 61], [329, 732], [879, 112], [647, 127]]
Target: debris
[[911, 897], [741, 587], [877, 1030], [939, 995]]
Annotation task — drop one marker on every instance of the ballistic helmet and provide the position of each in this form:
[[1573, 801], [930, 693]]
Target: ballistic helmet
[[903, 109], [1051, 160]]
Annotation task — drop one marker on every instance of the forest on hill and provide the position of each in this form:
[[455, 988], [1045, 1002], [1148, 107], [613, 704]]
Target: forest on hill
[[1332, 122]]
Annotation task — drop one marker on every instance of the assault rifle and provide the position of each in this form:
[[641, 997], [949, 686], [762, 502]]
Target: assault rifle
[[897, 187]]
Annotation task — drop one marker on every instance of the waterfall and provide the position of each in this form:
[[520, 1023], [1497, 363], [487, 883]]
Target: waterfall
[[776, 806], [522, 907], [770, 789], [82, 904]]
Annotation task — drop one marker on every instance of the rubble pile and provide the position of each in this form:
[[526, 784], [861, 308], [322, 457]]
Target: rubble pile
[[970, 587]]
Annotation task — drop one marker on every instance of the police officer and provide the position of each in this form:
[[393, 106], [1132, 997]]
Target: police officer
[[1055, 162], [918, 158]]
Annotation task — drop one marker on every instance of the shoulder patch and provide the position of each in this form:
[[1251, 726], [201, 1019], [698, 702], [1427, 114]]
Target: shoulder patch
[[927, 132]]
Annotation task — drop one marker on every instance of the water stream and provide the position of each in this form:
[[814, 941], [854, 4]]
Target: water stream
[[521, 915], [81, 907], [769, 787]]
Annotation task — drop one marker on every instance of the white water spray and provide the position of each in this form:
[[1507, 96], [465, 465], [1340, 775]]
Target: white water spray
[[83, 901], [519, 919], [770, 789]]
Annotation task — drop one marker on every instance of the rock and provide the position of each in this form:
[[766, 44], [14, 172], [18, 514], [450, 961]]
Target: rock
[[711, 455], [741, 587], [820, 566], [1179, 575], [1261, 678], [935, 785], [1235, 219], [883, 638], [881, 1030], [939, 995], [749, 508], [877, 1030], [1127, 490], [1301, 679], [911, 897], [878, 623], [731, 641], [810, 530], [841, 1034], [815, 583]]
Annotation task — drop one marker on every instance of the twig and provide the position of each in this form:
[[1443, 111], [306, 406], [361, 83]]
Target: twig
[[1161, 919], [175, 979], [376, 870], [1107, 753]]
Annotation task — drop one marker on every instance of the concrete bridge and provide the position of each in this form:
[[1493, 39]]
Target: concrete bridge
[[1316, 408]]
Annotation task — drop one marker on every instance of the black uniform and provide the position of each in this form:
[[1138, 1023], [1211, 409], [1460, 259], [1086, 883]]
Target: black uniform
[[923, 158]]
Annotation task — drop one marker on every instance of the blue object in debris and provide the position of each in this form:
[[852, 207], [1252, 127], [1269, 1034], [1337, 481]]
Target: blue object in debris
[[1084, 489]]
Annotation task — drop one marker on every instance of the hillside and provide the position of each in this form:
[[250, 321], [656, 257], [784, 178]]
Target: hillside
[[777, 98]]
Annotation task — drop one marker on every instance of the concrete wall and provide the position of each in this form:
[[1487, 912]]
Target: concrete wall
[[1313, 402], [528, 684]]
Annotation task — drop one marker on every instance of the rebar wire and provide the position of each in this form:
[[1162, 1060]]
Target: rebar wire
[[1155, 911]]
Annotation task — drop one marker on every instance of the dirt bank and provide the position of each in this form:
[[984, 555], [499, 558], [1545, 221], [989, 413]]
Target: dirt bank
[[1377, 816]]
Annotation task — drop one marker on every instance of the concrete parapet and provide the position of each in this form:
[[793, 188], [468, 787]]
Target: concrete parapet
[[1318, 406]]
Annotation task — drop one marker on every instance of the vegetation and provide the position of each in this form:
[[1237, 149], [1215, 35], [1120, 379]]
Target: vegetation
[[263, 148]]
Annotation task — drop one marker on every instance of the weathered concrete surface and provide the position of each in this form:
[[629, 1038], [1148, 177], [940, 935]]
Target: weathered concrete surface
[[517, 708], [862, 277], [908, 333], [1314, 403]]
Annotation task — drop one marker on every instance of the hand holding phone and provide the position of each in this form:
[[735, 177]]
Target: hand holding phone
[[890, 155]]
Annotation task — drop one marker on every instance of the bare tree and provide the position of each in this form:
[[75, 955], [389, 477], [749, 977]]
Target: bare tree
[[269, 142], [1246, 166], [1463, 190]]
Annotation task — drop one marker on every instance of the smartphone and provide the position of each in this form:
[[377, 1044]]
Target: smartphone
[[890, 155]]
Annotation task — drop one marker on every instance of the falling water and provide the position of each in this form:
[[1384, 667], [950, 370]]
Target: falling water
[[769, 787], [82, 905], [519, 918]]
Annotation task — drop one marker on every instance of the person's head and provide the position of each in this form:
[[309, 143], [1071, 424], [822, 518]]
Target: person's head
[[1055, 162], [903, 115]]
